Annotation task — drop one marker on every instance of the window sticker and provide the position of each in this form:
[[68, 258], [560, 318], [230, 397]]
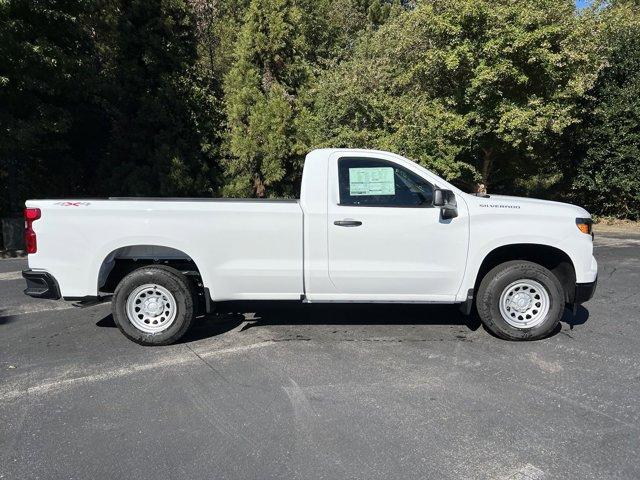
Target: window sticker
[[371, 181]]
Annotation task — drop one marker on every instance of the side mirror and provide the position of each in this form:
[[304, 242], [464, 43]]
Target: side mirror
[[446, 200]]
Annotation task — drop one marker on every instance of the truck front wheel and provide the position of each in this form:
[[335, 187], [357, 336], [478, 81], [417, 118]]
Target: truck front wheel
[[520, 300], [154, 305]]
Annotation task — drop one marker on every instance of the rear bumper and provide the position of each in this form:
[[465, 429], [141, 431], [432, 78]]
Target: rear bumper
[[41, 285], [585, 291]]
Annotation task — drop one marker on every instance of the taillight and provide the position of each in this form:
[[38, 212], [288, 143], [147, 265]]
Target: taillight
[[30, 215]]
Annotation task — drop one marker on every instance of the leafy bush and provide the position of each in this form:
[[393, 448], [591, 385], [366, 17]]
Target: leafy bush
[[608, 177]]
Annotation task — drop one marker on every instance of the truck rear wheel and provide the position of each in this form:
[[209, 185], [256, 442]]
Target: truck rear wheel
[[520, 300], [154, 305]]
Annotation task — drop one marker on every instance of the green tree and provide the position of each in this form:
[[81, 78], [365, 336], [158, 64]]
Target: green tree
[[608, 175], [350, 18], [481, 91], [271, 64], [217, 27], [164, 119], [104, 98], [48, 118], [282, 46]]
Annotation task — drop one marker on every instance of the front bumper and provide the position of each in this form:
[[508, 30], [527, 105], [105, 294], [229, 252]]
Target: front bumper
[[585, 291], [41, 285]]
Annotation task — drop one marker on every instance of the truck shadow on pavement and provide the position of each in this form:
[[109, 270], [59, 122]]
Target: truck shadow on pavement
[[5, 317], [580, 318], [265, 314], [243, 316], [248, 315]]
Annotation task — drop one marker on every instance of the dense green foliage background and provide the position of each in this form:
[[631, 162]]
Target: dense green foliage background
[[212, 97]]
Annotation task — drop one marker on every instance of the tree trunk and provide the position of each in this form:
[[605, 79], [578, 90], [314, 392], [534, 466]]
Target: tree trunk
[[259, 186], [267, 79], [485, 171]]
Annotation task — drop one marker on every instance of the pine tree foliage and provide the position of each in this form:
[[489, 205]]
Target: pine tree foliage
[[270, 66]]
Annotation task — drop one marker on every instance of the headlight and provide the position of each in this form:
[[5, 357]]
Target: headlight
[[585, 225]]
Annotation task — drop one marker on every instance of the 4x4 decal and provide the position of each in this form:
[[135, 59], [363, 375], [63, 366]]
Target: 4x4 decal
[[73, 204]]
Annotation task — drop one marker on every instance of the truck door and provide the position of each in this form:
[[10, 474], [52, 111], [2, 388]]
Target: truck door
[[386, 241]]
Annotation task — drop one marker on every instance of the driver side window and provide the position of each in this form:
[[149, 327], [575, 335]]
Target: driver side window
[[372, 182]]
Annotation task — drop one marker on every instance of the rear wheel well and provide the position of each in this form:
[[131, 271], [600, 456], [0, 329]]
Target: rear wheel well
[[554, 259], [119, 263]]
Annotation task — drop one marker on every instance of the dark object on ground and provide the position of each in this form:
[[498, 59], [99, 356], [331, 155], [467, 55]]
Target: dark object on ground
[[13, 233]]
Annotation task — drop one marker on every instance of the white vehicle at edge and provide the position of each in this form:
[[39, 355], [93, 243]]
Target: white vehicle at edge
[[370, 226]]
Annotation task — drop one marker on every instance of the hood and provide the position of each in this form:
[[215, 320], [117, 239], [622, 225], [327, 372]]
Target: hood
[[506, 202]]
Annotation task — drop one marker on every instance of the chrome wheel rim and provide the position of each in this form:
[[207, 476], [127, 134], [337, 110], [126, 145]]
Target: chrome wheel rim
[[151, 308], [524, 304]]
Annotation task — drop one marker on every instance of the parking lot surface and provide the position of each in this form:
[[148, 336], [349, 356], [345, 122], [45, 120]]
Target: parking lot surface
[[324, 391]]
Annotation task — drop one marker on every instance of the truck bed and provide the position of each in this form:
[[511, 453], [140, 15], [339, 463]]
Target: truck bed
[[253, 246], [202, 199]]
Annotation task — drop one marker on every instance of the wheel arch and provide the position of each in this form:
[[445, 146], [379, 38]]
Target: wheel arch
[[550, 257], [120, 261]]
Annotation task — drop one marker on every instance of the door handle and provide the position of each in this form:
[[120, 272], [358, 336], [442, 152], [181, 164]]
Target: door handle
[[347, 223]]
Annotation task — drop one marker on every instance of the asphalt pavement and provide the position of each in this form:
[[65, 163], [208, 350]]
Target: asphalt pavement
[[324, 392]]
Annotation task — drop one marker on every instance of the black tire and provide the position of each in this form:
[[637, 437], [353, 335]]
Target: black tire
[[498, 279], [170, 279]]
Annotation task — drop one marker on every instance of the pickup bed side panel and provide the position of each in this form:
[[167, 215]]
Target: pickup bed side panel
[[242, 249]]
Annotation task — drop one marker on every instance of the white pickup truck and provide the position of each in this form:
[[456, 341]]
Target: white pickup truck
[[370, 226]]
